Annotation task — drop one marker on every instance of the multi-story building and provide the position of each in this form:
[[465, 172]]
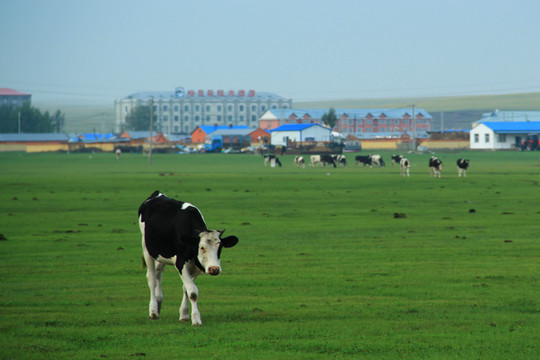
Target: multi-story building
[[180, 112], [13, 97], [354, 121]]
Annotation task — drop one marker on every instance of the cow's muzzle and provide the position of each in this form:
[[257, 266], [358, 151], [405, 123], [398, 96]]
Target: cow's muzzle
[[213, 270]]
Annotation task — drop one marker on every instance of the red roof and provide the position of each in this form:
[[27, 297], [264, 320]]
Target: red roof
[[11, 92]]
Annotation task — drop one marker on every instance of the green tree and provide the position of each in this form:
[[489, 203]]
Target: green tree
[[138, 118], [330, 118], [30, 120]]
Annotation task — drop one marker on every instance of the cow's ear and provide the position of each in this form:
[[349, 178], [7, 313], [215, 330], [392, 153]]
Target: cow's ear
[[229, 241]]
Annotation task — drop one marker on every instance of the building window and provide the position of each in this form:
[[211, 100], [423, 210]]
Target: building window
[[197, 108], [219, 108], [208, 118], [502, 138], [219, 118], [175, 107], [476, 138], [241, 118], [176, 118], [241, 108], [207, 108], [186, 107], [253, 108], [165, 108], [486, 138], [229, 118], [197, 118], [229, 107]]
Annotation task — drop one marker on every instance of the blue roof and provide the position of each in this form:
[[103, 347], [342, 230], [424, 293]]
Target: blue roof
[[28, 137], [511, 116], [513, 126], [208, 129], [351, 113], [297, 127]]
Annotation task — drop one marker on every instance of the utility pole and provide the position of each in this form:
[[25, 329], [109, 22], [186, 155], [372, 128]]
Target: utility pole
[[151, 134], [413, 128], [442, 122], [19, 122]]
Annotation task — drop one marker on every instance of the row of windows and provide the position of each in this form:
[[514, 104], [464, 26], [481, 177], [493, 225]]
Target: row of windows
[[386, 122], [211, 108], [207, 118]]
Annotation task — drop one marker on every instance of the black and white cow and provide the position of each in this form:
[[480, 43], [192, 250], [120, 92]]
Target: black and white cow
[[462, 165], [322, 159], [299, 161], [340, 159], [396, 159], [377, 160], [435, 167], [363, 159], [404, 166], [175, 233], [269, 158]]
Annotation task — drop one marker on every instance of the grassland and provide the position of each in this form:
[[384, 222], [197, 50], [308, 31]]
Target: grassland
[[324, 269]]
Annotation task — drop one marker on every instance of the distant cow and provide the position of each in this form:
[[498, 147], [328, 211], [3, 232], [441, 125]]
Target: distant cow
[[462, 165], [269, 158], [396, 159], [340, 159], [363, 159], [118, 153], [299, 161], [175, 233], [404, 166], [377, 160], [322, 159], [435, 167]]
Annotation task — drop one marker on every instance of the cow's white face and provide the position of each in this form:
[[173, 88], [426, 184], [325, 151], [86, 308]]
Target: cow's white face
[[210, 245]]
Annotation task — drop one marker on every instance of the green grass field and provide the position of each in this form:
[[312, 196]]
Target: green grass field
[[323, 270]]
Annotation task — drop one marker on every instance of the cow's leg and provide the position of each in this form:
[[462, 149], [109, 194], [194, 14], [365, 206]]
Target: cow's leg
[[153, 308], [159, 292], [192, 293], [184, 308]]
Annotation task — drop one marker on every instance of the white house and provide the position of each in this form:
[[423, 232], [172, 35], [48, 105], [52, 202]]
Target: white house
[[300, 132], [498, 135]]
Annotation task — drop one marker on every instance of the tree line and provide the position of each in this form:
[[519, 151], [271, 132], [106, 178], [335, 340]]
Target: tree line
[[28, 119]]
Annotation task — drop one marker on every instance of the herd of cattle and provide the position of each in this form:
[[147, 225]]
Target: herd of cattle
[[435, 164]]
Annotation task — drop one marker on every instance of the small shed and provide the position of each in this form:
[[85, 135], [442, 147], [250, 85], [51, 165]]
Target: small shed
[[34, 142], [300, 133]]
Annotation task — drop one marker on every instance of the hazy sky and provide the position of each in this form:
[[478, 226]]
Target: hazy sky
[[100, 50]]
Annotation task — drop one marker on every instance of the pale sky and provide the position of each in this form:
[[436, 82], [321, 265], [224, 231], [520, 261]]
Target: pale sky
[[101, 50]]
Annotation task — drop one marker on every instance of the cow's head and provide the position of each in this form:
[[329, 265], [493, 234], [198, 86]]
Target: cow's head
[[210, 245]]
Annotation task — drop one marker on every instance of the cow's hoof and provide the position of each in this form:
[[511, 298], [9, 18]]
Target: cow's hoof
[[154, 317], [197, 324]]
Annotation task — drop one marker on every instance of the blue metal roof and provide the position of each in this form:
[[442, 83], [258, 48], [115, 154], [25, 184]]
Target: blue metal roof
[[521, 127], [296, 127], [511, 116], [208, 129], [351, 113], [28, 137]]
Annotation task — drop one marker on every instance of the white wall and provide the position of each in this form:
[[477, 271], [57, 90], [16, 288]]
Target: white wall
[[482, 137]]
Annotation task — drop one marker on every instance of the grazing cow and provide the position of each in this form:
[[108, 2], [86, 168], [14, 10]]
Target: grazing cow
[[435, 167], [462, 165], [396, 159], [316, 160], [269, 158], [299, 161], [404, 166], [175, 233], [340, 159], [363, 159], [328, 159], [118, 153], [377, 160]]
